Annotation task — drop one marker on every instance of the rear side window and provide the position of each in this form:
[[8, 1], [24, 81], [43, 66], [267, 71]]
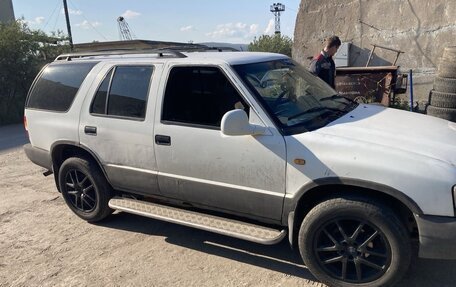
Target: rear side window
[[126, 89], [57, 86], [99, 103]]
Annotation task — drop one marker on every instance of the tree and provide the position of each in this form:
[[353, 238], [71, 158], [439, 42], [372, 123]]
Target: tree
[[275, 44], [23, 52]]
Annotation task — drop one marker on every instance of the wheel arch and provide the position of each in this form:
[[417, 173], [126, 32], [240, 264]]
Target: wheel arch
[[319, 190], [62, 150]]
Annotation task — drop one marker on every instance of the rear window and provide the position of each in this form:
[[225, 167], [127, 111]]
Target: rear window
[[57, 86]]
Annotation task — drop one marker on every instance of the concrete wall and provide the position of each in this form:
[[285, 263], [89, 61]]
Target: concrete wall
[[6, 11], [420, 28]]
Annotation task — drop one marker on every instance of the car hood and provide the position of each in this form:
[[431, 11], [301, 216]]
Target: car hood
[[396, 129]]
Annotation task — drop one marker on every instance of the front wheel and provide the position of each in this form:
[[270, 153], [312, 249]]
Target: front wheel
[[85, 189], [353, 241]]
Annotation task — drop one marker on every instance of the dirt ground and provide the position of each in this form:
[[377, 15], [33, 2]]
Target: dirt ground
[[43, 244]]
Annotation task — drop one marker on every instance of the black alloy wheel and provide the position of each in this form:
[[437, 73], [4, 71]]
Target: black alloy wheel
[[353, 250], [81, 191], [85, 188], [351, 240]]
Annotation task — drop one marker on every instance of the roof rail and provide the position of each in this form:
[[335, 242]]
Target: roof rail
[[200, 48], [159, 52]]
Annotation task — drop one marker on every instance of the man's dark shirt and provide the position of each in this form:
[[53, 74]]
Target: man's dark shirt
[[324, 67]]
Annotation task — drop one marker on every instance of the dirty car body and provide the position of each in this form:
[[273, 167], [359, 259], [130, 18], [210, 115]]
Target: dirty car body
[[227, 141]]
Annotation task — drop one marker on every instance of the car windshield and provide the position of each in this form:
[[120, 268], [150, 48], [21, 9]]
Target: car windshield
[[296, 100]]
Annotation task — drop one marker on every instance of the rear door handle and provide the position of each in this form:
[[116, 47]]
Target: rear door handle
[[162, 140], [90, 130]]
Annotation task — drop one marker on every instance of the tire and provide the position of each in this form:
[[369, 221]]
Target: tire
[[367, 227], [447, 70], [445, 85], [443, 100], [443, 113], [85, 189]]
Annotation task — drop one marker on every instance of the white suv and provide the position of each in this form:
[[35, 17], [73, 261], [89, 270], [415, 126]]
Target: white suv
[[248, 145]]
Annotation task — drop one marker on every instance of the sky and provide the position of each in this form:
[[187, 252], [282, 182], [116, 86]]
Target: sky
[[233, 21]]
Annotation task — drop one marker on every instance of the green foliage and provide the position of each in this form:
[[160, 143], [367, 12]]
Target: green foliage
[[23, 52], [275, 44]]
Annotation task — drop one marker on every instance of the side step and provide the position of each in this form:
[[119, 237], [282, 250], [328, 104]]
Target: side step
[[220, 225]]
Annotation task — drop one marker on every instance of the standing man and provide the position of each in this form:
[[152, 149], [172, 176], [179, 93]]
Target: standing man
[[323, 65]]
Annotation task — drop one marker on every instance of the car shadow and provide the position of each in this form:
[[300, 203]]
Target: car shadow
[[280, 257]]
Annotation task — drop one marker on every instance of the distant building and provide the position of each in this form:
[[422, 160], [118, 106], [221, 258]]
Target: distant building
[[6, 11], [130, 45]]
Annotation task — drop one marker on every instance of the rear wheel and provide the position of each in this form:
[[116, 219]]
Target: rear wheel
[[85, 189], [354, 242]]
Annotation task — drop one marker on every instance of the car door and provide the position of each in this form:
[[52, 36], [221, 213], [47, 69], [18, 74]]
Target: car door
[[117, 125], [244, 175]]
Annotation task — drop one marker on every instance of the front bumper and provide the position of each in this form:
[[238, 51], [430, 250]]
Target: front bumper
[[437, 236]]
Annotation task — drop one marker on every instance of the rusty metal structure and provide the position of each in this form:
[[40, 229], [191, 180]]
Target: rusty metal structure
[[372, 84], [398, 53]]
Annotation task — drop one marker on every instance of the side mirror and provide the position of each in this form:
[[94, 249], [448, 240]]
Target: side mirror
[[236, 123]]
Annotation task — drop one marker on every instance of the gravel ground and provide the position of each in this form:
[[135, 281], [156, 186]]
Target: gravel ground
[[43, 244]]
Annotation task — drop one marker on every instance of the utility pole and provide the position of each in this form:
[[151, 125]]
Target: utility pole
[[67, 18], [276, 8]]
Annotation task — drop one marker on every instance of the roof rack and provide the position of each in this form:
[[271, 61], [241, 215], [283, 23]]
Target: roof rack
[[173, 51], [159, 52], [200, 48]]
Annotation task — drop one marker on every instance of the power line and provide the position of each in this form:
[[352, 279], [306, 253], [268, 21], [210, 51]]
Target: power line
[[52, 14], [288, 7], [88, 22], [57, 18]]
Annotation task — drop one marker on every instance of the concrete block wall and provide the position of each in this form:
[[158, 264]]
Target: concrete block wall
[[420, 28], [6, 11]]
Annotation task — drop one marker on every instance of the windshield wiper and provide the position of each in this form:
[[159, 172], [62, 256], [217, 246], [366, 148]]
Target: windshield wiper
[[314, 110], [337, 96]]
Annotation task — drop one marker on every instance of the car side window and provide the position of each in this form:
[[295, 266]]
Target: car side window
[[99, 102], [57, 86], [123, 92], [199, 96]]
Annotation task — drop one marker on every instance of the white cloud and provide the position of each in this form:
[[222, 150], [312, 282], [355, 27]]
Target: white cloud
[[253, 29], [240, 25], [186, 28], [270, 29], [39, 20], [72, 12], [87, 25], [233, 31], [129, 14]]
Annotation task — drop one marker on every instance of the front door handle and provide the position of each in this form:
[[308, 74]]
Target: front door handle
[[90, 130], [162, 140]]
